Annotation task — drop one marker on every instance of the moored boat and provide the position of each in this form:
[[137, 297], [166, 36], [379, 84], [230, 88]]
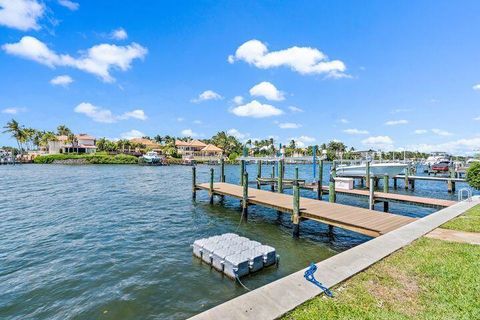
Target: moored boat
[[376, 169]]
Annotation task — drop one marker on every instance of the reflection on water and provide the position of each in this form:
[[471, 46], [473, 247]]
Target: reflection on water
[[114, 242]]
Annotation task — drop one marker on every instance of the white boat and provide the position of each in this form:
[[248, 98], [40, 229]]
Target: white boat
[[437, 157], [376, 169], [151, 157]]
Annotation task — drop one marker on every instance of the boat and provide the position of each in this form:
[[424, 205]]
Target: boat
[[376, 169], [152, 157], [437, 157]]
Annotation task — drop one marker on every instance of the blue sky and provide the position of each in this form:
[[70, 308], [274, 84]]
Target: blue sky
[[381, 74]]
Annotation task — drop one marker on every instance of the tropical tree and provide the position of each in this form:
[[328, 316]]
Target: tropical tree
[[63, 130], [228, 143], [16, 131]]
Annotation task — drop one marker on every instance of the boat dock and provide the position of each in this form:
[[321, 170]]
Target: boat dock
[[364, 221]]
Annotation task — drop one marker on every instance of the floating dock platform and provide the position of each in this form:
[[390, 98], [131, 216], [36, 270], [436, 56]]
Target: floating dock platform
[[233, 255]]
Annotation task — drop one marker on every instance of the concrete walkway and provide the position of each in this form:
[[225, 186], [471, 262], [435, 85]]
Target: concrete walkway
[[455, 236], [275, 299]]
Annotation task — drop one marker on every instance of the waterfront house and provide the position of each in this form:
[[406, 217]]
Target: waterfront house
[[197, 150], [82, 143], [147, 144]]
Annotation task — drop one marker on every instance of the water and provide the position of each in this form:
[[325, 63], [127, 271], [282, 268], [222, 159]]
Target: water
[[109, 242]]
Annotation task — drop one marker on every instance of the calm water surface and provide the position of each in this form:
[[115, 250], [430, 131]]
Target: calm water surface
[[114, 242]]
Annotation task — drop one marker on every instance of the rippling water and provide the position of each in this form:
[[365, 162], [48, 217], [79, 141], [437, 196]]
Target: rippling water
[[110, 242]]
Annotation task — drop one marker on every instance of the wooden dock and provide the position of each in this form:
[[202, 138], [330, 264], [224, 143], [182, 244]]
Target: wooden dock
[[364, 221]]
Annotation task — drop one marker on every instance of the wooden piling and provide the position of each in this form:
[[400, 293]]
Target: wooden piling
[[385, 206], [211, 185], [259, 172], [194, 182], [319, 181], [296, 173], [296, 209], [242, 171], [406, 179], [280, 177], [395, 183], [451, 185], [272, 186], [222, 170], [385, 183], [245, 197], [367, 174], [371, 199], [331, 185]]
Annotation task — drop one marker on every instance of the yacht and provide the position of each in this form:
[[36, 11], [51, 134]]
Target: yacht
[[151, 157], [376, 169], [437, 157]]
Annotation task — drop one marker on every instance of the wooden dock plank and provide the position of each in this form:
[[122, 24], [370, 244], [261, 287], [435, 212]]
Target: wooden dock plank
[[369, 222]]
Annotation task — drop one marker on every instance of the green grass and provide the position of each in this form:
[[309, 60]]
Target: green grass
[[96, 158], [468, 221], [430, 279]]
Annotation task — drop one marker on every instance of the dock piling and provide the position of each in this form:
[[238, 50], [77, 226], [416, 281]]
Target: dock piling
[[331, 186], [211, 185], [259, 172], [406, 179], [273, 177], [296, 210], [245, 197], [222, 170], [385, 183], [280, 176], [194, 182], [242, 171], [319, 181], [367, 174], [371, 199], [296, 173]]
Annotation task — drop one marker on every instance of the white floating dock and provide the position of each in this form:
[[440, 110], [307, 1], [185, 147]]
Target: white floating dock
[[233, 255]]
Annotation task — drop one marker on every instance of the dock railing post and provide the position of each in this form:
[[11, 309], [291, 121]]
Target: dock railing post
[[245, 197], [385, 183], [406, 179], [259, 173], [371, 199], [211, 185], [296, 210], [222, 170], [280, 176], [273, 179], [319, 181], [194, 182], [367, 174], [242, 171], [331, 185]]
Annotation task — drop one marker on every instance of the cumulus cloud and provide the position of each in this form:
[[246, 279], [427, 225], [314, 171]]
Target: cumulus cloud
[[303, 141], [442, 133], [207, 95], [396, 122], [256, 109], [99, 114], [13, 110], [379, 142], [344, 121], [461, 146], [295, 109], [476, 87], [289, 125], [132, 134], [304, 60], [119, 34], [238, 100], [268, 91], [98, 60], [420, 131], [63, 81], [21, 14], [70, 5], [189, 133], [477, 118], [237, 134], [355, 131]]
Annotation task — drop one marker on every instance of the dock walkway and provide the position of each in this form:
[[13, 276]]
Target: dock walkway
[[364, 221]]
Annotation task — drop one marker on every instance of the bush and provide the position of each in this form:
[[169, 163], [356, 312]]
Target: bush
[[90, 158], [473, 175]]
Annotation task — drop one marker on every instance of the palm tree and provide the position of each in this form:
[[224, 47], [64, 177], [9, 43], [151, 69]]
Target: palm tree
[[63, 130], [16, 131]]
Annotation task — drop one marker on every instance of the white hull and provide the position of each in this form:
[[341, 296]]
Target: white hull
[[376, 169]]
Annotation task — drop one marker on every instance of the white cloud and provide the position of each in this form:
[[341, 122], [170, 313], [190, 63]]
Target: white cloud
[[132, 134], [295, 109], [63, 81], [21, 14], [189, 133], [477, 118], [303, 141], [344, 121], [379, 142], [396, 122], [99, 114], [98, 60], [69, 4], [355, 131], [180, 119], [119, 34], [420, 131], [267, 90], [304, 60], [442, 133], [289, 125], [238, 100], [476, 87], [237, 134], [13, 110], [197, 121], [461, 146], [207, 95], [256, 109]]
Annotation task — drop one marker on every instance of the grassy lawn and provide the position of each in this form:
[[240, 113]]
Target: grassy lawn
[[469, 221], [430, 279]]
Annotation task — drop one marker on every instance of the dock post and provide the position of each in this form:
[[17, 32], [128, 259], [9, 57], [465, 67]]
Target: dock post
[[320, 180], [194, 182], [385, 206], [451, 185], [406, 179], [371, 199], [367, 174], [385, 183], [280, 176], [331, 186], [211, 185], [245, 197], [259, 172], [395, 183], [272, 185], [296, 173], [242, 171], [296, 210], [222, 170]]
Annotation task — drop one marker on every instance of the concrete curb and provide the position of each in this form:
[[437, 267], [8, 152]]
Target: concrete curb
[[277, 298]]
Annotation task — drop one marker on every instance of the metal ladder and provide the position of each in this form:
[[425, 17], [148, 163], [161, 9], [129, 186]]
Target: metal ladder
[[467, 191]]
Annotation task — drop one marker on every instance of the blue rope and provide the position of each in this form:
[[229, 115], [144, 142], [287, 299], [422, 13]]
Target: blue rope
[[310, 277]]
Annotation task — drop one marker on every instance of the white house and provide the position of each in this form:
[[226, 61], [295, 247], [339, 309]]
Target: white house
[[83, 143]]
